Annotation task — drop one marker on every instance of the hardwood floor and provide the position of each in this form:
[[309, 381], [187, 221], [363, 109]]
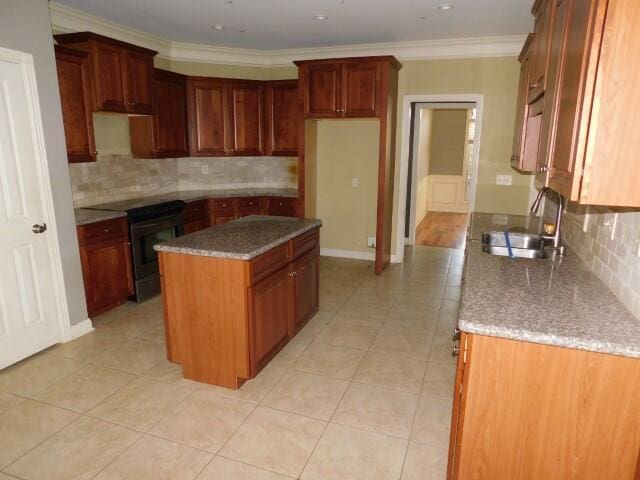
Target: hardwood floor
[[442, 229]]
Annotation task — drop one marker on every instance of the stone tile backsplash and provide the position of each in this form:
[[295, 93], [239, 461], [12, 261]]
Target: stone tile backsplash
[[119, 177], [608, 241]]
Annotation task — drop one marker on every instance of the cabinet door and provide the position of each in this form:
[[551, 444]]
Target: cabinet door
[[245, 113], [283, 206], [570, 94], [207, 118], [252, 206], [170, 118], [283, 114], [269, 313], [321, 90], [75, 87], [106, 269], [196, 225], [109, 74], [360, 81], [544, 11], [139, 83], [305, 281], [517, 156]]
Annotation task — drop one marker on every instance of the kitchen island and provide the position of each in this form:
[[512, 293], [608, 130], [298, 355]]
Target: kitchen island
[[235, 294]]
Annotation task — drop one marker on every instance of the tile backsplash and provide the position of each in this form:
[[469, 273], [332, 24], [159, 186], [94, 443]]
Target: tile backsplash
[[120, 176], [608, 241]]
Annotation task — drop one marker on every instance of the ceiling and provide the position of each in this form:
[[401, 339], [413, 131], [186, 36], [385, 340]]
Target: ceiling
[[289, 24]]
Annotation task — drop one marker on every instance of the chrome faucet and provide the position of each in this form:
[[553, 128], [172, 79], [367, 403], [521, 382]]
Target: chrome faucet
[[555, 238]]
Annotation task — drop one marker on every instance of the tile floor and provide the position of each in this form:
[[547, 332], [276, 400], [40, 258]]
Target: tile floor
[[363, 392]]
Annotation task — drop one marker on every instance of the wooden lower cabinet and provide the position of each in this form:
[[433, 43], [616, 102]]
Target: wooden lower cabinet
[[196, 216], [106, 264], [225, 319], [529, 411]]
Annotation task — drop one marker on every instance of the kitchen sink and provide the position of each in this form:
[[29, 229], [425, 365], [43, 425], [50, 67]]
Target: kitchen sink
[[523, 245]]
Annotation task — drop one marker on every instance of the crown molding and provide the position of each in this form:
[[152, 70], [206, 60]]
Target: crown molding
[[66, 19]]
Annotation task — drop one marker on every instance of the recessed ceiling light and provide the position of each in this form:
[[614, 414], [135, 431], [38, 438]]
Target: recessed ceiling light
[[320, 17], [423, 17], [445, 7], [218, 26]]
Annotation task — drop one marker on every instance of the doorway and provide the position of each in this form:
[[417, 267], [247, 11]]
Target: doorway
[[438, 169]]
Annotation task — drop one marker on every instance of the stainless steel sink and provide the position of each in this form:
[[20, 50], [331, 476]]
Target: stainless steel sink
[[523, 245]]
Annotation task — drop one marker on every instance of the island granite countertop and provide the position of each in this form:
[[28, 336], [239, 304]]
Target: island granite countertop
[[86, 216], [555, 301], [242, 239]]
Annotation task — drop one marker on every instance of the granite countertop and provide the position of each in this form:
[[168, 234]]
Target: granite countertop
[[555, 301], [85, 216], [194, 195], [241, 239]]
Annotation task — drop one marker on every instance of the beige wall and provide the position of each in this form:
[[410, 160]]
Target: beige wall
[[347, 149], [448, 138], [422, 163]]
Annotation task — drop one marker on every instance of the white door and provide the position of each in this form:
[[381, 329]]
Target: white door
[[28, 315]]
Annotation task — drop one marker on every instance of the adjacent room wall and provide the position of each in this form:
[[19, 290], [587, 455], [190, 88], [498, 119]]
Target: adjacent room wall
[[449, 135], [422, 163], [25, 26]]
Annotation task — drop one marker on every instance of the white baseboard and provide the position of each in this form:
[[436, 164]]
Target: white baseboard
[[81, 329], [331, 252], [395, 258]]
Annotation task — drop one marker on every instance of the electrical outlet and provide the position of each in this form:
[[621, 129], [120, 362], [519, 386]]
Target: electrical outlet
[[371, 242], [587, 219], [613, 227], [205, 168], [504, 180], [355, 182]]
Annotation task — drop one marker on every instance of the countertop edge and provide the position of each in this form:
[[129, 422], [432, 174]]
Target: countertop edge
[[99, 216]]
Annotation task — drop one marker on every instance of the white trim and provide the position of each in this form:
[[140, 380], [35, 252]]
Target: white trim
[[401, 183], [331, 252], [67, 19], [82, 328], [25, 60]]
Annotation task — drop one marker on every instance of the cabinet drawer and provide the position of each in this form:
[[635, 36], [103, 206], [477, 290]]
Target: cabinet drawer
[[267, 263], [283, 206], [251, 203], [195, 210], [305, 243], [105, 230], [222, 205]]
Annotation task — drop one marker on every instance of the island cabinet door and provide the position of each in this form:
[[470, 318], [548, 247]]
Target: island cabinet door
[[269, 313], [305, 284]]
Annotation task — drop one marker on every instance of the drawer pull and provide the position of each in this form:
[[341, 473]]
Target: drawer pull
[[106, 230]]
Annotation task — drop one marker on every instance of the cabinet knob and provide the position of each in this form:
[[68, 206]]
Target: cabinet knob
[[95, 152], [455, 350], [543, 169], [534, 85], [106, 230]]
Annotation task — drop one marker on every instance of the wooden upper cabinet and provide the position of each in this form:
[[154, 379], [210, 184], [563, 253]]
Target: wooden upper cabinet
[[208, 117], [283, 117], [245, 109], [544, 13], [518, 159], [346, 87], [74, 82], [163, 134], [122, 73]]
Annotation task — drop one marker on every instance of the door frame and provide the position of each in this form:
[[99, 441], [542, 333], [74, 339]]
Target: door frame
[[405, 147], [25, 60]]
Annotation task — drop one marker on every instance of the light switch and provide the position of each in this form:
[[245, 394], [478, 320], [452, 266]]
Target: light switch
[[355, 181], [504, 180]]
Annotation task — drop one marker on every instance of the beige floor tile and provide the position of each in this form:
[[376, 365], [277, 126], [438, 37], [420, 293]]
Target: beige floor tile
[[277, 441], [153, 458], [90, 346], [292, 350], [439, 380], [25, 425], [204, 420], [348, 335], [345, 453], [36, 373], [381, 299], [377, 409], [84, 389], [425, 462], [168, 372], [77, 452], [433, 421], [405, 342], [222, 468], [6, 477], [391, 370], [136, 355], [441, 349], [306, 394], [364, 311], [253, 390], [329, 360], [421, 322], [370, 322], [8, 400], [140, 404]]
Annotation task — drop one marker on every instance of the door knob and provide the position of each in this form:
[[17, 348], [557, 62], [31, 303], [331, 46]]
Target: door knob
[[37, 228]]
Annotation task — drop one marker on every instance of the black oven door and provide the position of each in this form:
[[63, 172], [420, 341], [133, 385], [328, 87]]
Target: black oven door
[[144, 235]]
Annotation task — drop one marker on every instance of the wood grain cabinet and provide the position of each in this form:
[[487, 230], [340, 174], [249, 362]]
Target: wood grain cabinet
[[225, 117], [163, 134], [524, 410], [519, 158], [349, 87], [283, 206], [122, 72], [283, 116], [76, 90], [196, 216], [106, 264], [544, 13]]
